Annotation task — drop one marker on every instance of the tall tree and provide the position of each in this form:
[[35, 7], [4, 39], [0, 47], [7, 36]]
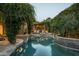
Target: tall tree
[[47, 23], [14, 15], [67, 21]]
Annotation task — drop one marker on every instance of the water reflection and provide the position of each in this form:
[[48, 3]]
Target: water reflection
[[60, 51], [42, 50], [42, 46], [29, 51]]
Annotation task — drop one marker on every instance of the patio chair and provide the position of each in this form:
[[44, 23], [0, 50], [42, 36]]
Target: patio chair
[[2, 38]]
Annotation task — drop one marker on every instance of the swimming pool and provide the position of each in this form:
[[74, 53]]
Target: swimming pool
[[42, 46]]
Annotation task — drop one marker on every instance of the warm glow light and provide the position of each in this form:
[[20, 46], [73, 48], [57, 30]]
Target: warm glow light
[[1, 29], [39, 28]]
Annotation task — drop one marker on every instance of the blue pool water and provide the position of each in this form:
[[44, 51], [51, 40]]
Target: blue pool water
[[42, 47]]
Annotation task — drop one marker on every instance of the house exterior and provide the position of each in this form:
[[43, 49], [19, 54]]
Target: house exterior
[[39, 28]]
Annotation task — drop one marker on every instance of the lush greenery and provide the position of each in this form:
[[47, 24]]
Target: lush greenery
[[47, 23], [14, 15], [66, 23]]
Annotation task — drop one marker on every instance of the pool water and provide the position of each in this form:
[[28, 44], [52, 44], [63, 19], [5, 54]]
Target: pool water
[[42, 46]]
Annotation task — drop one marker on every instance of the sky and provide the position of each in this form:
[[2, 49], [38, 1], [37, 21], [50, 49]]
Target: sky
[[45, 10]]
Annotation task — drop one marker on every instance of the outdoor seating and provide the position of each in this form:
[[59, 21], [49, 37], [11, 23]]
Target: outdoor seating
[[4, 41], [2, 38]]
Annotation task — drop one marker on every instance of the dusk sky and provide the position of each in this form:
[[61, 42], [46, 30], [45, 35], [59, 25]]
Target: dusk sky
[[45, 10]]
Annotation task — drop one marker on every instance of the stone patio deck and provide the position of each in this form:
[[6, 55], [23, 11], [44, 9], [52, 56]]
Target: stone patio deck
[[6, 48]]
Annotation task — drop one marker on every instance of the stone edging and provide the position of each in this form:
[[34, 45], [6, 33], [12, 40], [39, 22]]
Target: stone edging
[[67, 42], [67, 38], [18, 46], [67, 47]]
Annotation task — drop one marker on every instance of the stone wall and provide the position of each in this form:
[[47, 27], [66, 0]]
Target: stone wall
[[68, 42]]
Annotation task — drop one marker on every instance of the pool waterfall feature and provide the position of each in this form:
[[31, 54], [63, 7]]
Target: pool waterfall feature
[[42, 46]]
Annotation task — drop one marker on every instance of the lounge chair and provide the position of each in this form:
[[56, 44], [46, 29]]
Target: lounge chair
[[2, 38]]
